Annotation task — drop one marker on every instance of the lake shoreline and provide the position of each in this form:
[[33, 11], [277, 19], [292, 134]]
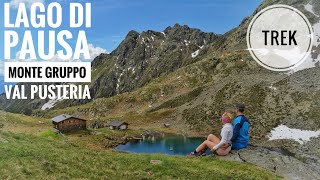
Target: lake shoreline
[[279, 160]]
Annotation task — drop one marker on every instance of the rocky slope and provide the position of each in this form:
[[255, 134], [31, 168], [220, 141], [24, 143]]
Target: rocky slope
[[277, 160], [193, 95], [154, 78], [192, 77], [140, 58]]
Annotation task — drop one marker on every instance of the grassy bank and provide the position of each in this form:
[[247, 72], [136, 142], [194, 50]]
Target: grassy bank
[[40, 157], [30, 150]]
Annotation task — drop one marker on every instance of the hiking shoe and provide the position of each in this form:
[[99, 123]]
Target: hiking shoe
[[197, 154], [193, 154]]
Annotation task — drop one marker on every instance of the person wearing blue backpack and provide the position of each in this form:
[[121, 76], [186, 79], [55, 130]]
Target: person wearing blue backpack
[[241, 125]]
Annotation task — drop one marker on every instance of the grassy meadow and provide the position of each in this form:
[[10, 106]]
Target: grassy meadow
[[39, 153]]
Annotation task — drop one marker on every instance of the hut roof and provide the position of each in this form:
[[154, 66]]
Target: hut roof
[[117, 123], [63, 117]]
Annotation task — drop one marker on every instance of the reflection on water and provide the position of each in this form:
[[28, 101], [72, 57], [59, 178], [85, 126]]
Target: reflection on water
[[172, 145]]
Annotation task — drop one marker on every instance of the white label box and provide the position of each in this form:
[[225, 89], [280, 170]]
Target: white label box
[[47, 71]]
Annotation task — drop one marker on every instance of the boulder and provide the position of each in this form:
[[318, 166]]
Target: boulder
[[276, 160]]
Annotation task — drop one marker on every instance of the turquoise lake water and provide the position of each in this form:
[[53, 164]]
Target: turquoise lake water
[[173, 145]]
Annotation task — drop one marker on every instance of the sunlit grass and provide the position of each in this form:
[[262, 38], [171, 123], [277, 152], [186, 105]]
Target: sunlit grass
[[34, 157]]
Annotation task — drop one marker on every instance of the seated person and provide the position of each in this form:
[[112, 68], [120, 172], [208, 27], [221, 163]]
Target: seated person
[[241, 124], [214, 143]]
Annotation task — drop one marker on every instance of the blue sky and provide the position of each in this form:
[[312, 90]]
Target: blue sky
[[113, 19]]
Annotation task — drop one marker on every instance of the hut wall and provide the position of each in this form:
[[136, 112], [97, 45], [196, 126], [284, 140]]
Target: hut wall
[[71, 124]]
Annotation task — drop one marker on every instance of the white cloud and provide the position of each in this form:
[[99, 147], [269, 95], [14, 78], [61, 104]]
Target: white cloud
[[96, 51], [56, 58], [1, 67], [21, 60], [28, 3]]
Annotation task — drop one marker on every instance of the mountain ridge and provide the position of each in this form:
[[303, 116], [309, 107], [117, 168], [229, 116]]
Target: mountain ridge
[[138, 59], [142, 57]]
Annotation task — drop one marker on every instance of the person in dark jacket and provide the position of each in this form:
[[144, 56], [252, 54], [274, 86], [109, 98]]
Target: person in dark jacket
[[241, 125]]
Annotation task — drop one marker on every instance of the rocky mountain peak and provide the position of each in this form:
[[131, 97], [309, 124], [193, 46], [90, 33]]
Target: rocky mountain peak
[[141, 57], [147, 43], [128, 44], [190, 35]]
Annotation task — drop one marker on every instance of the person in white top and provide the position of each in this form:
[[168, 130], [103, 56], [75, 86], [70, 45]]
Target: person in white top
[[214, 143]]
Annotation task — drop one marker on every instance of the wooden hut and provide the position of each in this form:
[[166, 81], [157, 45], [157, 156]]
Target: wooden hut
[[66, 123], [118, 125]]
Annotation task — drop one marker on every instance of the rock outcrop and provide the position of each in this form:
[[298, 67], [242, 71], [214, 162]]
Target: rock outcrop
[[278, 161]]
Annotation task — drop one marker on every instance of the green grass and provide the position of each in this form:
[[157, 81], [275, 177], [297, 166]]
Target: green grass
[[19, 123], [179, 100], [30, 150], [114, 133], [49, 134], [34, 157]]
